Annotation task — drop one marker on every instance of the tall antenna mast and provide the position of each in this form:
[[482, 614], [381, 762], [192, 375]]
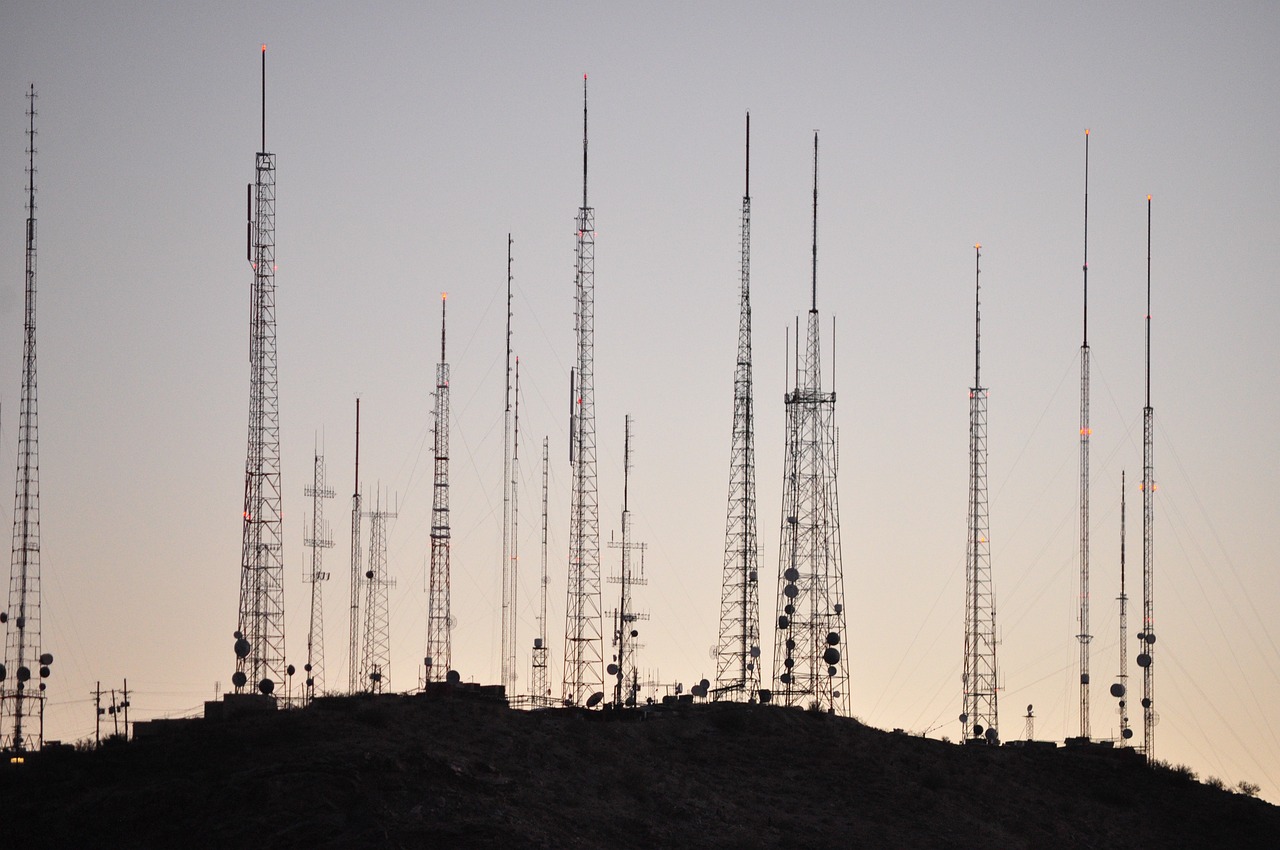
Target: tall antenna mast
[[375, 665], [623, 667], [259, 636], [539, 686], [22, 618], [1147, 637], [508, 663], [353, 643], [808, 664], [979, 721], [738, 649], [583, 638], [1120, 690], [318, 540], [513, 568], [1084, 637], [439, 654]]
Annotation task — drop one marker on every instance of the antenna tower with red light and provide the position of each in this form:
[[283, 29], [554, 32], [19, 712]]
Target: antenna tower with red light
[[738, 658], [259, 638], [583, 637], [810, 666]]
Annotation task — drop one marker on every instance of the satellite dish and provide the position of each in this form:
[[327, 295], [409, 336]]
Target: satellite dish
[[375, 676], [238, 678], [368, 574], [1028, 708], [791, 574], [839, 608], [977, 730], [765, 695], [3, 672], [311, 683], [453, 622], [46, 658], [964, 718], [783, 622], [992, 735], [1117, 690], [835, 694], [4, 617], [831, 655], [635, 633], [788, 663], [831, 671], [267, 686], [790, 591], [44, 671], [704, 684], [242, 648], [23, 674], [237, 634], [452, 677], [791, 644], [791, 519], [595, 699], [751, 666], [1146, 702], [290, 670], [1142, 635], [751, 576], [612, 669], [785, 678], [306, 667], [1127, 734], [789, 609], [833, 638], [1150, 638], [755, 652], [1144, 660]]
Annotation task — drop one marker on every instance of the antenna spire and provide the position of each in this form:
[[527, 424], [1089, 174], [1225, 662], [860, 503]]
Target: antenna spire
[[584, 140], [1086, 238], [747, 191], [264, 97], [814, 303], [977, 314]]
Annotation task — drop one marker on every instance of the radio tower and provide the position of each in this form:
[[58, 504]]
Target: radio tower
[[738, 650], [259, 642], [1120, 690], [583, 642], [22, 619], [540, 688], [353, 641], [1085, 433], [808, 667], [376, 665], [318, 541], [1147, 637], [508, 521], [439, 654], [979, 720], [623, 668]]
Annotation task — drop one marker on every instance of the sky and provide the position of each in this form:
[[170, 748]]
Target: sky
[[412, 138]]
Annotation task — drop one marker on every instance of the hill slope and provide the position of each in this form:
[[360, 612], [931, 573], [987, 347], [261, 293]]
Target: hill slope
[[406, 771]]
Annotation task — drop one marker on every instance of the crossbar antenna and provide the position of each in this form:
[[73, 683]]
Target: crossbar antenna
[[583, 634], [438, 658], [259, 636], [1147, 637], [738, 659], [24, 657], [979, 720], [809, 664], [1085, 432]]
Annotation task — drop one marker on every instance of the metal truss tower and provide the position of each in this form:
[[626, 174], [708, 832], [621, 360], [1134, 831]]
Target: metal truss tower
[[541, 658], [375, 665], [439, 655], [260, 634], [1147, 637], [318, 540], [808, 667], [508, 662], [353, 640], [980, 719], [626, 677], [1120, 690], [1085, 432], [738, 649], [22, 644], [583, 639]]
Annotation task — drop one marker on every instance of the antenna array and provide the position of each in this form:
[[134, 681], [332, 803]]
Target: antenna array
[[808, 667], [623, 667]]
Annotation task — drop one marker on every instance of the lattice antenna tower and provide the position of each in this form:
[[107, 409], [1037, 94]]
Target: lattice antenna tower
[[1085, 432], [508, 663], [626, 677], [22, 643], [808, 667], [738, 649], [1120, 690], [439, 654], [259, 642], [583, 638], [979, 720], [318, 540], [1147, 637], [353, 641], [541, 657], [514, 562], [376, 661]]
